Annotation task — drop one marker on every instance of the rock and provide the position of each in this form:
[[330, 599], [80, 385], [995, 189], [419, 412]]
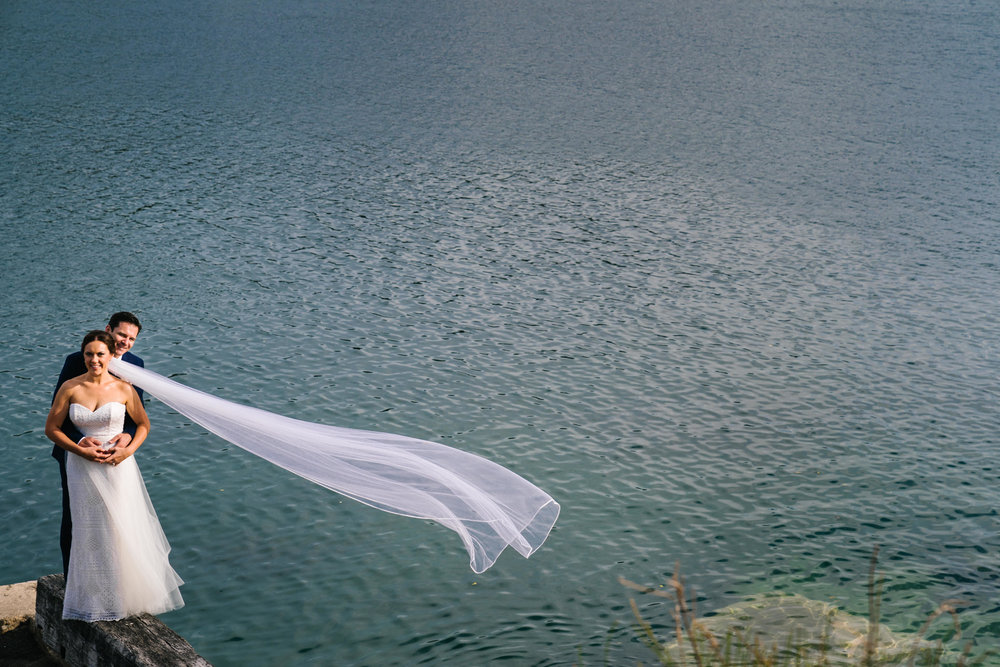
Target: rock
[[811, 629], [137, 641], [19, 646], [17, 605]]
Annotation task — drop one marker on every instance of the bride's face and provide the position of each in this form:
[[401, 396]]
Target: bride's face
[[96, 356]]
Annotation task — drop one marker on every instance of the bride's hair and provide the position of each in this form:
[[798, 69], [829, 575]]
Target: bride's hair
[[103, 336]]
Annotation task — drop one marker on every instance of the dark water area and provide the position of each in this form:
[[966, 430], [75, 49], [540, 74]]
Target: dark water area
[[720, 277]]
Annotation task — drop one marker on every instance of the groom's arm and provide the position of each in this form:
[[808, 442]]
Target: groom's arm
[[129, 429], [135, 361], [72, 366]]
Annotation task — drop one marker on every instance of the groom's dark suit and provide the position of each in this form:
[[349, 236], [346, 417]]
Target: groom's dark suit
[[72, 367]]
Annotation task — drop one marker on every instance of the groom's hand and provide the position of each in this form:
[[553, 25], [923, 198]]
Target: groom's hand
[[121, 440]]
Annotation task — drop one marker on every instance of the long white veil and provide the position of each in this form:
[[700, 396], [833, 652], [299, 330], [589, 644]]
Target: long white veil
[[489, 506]]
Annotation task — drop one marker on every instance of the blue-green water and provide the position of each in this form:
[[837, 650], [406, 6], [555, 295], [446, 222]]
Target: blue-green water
[[721, 277]]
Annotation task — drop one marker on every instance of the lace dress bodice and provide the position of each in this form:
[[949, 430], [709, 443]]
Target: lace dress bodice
[[103, 423]]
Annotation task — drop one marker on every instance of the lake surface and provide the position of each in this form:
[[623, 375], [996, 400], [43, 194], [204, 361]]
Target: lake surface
[[719, 276]]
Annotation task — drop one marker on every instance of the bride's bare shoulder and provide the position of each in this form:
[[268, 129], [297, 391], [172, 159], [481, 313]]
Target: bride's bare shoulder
[[73, 383], [123, 386]]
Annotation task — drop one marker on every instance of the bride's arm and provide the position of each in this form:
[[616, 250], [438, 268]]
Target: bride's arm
[[138, 414], [54, 432]]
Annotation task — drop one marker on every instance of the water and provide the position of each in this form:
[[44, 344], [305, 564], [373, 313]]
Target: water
[[721, 277]]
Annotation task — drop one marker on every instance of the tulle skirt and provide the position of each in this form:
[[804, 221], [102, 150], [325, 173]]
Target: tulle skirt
[[118, 564]]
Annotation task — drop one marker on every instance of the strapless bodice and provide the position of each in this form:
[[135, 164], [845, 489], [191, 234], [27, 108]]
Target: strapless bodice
[[103, 423]]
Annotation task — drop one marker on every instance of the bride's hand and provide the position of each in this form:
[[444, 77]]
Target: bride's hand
[[104, 455], [93, 450], [118, 455]]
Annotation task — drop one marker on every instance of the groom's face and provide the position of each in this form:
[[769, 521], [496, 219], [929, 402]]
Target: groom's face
[[124, 334]]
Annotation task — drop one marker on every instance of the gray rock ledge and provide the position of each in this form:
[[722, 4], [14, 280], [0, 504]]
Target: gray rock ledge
[[138, 641]]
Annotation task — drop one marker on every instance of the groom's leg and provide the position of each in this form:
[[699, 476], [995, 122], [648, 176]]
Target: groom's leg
[[66, 528]]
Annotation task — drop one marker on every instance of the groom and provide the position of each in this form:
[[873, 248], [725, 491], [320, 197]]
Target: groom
[[124, 327]]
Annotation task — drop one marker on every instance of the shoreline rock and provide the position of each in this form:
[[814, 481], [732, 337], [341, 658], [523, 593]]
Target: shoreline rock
[[20, 645], [33, 634]]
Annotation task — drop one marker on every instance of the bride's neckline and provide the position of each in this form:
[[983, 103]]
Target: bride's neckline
[[99, 406]]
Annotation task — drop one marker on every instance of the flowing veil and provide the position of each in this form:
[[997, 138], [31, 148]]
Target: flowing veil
[[489, 506]]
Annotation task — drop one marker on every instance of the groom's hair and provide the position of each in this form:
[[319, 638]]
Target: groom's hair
[[101, 335], [126, 317]]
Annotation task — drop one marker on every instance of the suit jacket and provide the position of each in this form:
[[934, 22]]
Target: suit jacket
[[72, 367]]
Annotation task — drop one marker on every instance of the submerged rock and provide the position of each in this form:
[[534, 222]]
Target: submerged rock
[[814, 631]]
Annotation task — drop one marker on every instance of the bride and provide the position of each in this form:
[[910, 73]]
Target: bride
[[118, 566]]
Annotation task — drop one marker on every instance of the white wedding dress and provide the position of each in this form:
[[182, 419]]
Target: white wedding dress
[[118, 564]]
